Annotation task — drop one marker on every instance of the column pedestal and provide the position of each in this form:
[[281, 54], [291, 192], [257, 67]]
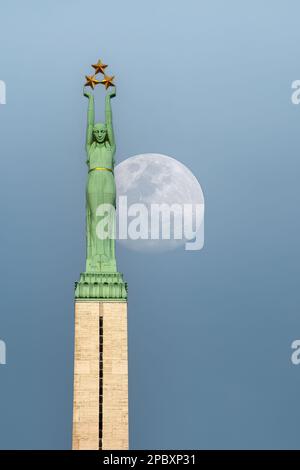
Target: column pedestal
[[100, 411]]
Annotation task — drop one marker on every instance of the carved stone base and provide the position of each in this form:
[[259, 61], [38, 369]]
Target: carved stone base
[[108, 286]]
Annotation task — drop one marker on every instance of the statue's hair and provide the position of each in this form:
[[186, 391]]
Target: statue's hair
[[99, 125]]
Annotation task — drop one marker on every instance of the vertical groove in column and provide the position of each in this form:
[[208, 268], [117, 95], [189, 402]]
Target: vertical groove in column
[[100, 382]]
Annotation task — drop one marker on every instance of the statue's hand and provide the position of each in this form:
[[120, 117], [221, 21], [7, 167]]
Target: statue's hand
[[85, 93], [112, 93]]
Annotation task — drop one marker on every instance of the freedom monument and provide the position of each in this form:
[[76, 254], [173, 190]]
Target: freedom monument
[[100, 404]]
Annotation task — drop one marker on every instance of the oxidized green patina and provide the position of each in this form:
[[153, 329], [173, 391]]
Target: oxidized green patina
[[101, 188], [101, 279]]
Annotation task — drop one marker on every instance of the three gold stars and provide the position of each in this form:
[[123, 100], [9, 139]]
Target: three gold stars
[[92, 81]]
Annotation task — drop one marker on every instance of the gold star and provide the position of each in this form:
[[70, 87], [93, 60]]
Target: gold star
[[91, 81], [108, 81], [99, 67]]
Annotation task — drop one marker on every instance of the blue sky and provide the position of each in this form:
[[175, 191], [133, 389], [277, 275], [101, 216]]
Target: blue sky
[[207, 83]]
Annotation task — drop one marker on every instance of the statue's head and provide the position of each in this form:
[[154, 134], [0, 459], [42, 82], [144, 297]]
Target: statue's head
[[99, 132]]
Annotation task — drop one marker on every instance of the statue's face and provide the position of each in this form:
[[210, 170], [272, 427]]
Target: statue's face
[[99, 132]]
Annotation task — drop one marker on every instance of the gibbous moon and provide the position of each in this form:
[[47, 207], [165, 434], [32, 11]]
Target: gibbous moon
[[158, 179]]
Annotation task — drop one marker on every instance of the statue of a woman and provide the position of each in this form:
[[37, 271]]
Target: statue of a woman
[[101, 188]]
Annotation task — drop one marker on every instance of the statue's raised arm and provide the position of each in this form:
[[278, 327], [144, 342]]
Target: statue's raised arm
[[108, 119], [90, 120]]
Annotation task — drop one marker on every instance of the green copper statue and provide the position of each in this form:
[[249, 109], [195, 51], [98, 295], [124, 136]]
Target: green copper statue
[[101, 280], [101, 188]]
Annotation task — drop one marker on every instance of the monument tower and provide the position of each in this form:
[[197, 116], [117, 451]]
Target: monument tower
[[100, 408]]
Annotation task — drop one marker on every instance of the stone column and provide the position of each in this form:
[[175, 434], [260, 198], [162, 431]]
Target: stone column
[[100, 416]]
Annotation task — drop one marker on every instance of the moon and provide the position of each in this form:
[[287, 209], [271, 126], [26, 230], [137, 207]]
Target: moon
[[153, 178]]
